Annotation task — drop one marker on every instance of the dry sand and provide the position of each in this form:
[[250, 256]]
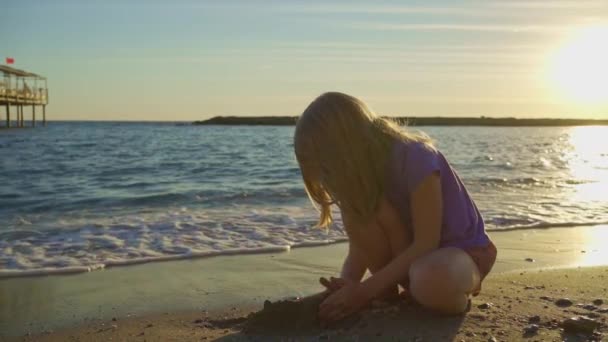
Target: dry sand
[[211, 299]]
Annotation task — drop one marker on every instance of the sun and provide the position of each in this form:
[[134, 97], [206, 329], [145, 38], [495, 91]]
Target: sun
[[579, 69]]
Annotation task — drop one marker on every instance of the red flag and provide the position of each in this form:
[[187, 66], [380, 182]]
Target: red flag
[[10, 60]]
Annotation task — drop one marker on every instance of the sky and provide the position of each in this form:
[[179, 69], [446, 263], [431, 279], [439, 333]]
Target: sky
[[191, 60]]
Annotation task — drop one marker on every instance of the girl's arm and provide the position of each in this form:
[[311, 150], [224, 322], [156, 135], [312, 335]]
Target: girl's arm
[[354, 267], [427, 209]]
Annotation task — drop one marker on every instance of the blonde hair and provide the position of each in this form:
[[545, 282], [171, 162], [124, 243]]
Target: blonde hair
[[342, 148]]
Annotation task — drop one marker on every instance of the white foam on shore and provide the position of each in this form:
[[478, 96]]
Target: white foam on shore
[[78, 246], [176, 235]]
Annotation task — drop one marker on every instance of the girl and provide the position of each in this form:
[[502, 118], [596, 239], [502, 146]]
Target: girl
[[408, 217]]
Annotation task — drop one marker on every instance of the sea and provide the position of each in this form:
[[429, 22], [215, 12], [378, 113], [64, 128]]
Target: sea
[[83, 196]]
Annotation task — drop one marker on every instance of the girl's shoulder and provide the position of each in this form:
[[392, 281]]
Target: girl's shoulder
[[412, 161], [413, 151]]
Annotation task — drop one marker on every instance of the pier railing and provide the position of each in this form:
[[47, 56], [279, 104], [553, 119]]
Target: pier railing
[[19, 89]]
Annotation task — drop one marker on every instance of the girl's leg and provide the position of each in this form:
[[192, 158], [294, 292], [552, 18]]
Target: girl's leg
[[375, 248], [444, 279], [382, 240]]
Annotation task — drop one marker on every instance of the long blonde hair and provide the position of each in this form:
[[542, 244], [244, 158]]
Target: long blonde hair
[[342, 148]]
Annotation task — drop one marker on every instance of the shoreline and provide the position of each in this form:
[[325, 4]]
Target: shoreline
[[215, 284], [72, 270]]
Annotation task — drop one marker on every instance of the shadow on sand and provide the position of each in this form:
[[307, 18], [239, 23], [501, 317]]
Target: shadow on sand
[[297, 320]]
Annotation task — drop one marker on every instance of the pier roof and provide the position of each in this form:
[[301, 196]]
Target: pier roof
[[18, 72]]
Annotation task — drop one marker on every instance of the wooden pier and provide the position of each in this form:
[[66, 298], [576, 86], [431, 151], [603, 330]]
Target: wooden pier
[[20, 90]]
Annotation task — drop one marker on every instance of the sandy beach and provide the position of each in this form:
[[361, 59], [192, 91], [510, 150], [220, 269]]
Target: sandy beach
[[207, 299]]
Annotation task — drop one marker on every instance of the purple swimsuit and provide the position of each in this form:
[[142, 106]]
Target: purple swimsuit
[[412, 162]]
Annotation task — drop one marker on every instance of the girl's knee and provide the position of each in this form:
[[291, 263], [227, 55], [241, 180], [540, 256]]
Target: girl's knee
[[431, 289], [437, 283]]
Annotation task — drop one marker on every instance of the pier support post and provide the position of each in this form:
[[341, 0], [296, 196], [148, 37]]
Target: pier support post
[[8, 116], [44, 115], [33, 116], [21, 124], [19, 116]]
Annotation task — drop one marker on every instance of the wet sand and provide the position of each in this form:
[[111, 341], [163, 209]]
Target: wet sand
[[188, 300], [533, 306]]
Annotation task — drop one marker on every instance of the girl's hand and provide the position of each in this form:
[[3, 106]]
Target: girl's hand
[[350, 298], [333, 284]]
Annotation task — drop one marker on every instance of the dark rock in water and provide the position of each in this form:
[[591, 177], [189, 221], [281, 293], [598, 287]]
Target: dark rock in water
[[531, 329], [598, 302], [563, 302], [485, 306], [292, 316], [534, 319], [580, 324]]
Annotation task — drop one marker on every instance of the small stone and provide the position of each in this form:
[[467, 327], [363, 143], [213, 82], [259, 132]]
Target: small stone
[[534, 319], [198, 321], [470, 334], [580, 324], [590, 307], [478, 315], [602, 310], [150, 325], [485, 306], [598, 302], [114, 319], [114, 326], [529, 259], [529, 288], [545, 298], [563, 302], [492, 339], [531, 329]]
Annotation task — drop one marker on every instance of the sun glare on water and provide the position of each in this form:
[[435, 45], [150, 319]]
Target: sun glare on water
[[579, 69]]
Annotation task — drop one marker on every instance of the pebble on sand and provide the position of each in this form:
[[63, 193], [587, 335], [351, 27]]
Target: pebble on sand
[[485, 306], [529, 260], [563, 302], [580, 324], [531, 329]]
